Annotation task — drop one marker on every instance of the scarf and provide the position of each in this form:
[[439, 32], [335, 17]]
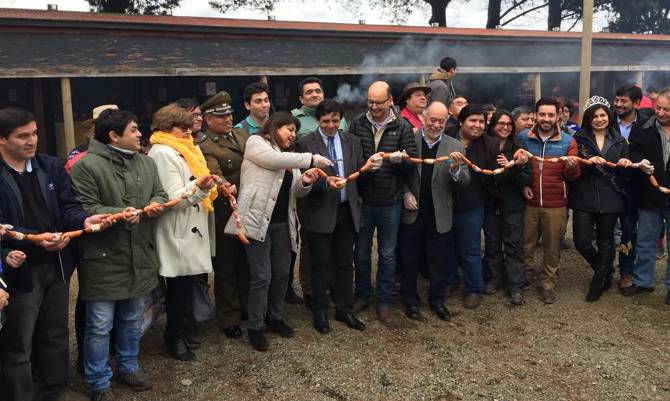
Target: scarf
[[193, 156]]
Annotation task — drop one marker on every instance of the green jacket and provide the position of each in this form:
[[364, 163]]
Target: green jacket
[[308, 122], [120, 262]]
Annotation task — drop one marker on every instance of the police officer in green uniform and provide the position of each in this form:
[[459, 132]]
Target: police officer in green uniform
[[223, 148]]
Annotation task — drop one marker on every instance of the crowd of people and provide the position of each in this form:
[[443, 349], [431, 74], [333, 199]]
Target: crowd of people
[[426, 170]]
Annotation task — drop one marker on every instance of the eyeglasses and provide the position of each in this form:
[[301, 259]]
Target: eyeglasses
[[197, 115], [377, 102], [184, 127], [504, 124]]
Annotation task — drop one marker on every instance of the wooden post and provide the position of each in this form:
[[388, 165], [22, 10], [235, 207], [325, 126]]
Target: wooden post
[[585, 73], [639, 79], [422, 79], [68, 119], [538, 86]]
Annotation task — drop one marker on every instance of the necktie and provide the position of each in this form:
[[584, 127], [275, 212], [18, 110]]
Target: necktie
[[332, 155]]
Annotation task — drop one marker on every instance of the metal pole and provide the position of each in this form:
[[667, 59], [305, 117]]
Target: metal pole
[[68, 119], [538, 86], [585, 73]]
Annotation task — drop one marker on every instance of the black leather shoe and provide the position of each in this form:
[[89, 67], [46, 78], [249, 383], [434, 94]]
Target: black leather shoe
[[308, 301], [441, 312], [633, 290], [191, 342], [180, 351], [350, 320], [320, 322], [233, 332], [280, 327], [412, 312], [257, 339]]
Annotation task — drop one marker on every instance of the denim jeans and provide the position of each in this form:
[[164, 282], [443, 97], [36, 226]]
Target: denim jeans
[[387, 221], [650, 224], [126, 317], [628, 221], [467, 240]]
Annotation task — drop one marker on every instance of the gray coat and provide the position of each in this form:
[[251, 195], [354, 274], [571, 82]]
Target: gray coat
[[318, 212], [441, 184]]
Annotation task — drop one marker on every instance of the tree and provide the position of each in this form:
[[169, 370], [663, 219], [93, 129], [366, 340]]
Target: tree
[[640, 16], [396, 10], [158, 7], [559, 11]]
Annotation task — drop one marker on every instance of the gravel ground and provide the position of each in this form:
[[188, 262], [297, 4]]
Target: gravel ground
[[614, 349]]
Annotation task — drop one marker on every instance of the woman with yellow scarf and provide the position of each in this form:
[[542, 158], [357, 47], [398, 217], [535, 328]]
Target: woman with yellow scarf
[[185, 234]]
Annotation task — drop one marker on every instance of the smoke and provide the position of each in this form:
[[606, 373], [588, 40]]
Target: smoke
[[388, 66], [350, 94]]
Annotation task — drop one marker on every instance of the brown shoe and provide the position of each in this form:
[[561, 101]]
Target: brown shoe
[[384, 315], [547, 296], [625, 281], [471, 300]]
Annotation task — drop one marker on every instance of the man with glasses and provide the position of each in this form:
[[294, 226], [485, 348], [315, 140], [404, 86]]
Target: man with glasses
[[223, 148], [381, 130]]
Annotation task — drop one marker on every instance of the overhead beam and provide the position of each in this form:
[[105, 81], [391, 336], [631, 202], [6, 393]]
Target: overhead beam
[[354, 70]]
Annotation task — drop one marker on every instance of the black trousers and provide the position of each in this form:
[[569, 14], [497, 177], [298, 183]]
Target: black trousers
[[602, 259], [35, 338], [178, 296], [420, 242], [231, 275], [332, 255], [503, 244]]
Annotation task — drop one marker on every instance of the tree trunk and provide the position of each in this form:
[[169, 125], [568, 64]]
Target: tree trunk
[[494, 14], [439, 12], [554, 19]]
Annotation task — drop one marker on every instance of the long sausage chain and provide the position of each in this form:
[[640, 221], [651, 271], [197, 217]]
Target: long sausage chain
[[224, 188], [111, 219]]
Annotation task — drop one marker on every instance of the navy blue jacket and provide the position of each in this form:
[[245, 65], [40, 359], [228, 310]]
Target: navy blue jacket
[[64, 207]]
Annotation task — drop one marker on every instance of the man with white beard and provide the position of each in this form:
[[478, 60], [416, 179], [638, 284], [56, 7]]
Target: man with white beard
[[427, 212]]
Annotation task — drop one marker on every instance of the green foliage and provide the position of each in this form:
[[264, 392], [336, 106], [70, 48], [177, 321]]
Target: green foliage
[[152, 7], [639, 16]]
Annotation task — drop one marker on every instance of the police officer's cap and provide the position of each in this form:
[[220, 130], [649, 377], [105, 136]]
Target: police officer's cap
[[219, 105]]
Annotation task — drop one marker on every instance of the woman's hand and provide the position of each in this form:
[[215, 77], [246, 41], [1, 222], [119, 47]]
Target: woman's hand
[[309, 177], [206, 184], [502, 160], [15, 259], [623, 162], [320, 161], [597, 160]]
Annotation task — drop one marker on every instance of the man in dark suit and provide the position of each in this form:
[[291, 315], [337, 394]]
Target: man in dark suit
[[331, 217], [427, 212]]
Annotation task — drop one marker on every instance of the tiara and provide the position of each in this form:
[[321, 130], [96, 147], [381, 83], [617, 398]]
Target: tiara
[[596, 100]]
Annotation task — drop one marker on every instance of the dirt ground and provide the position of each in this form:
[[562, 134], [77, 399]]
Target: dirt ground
[[614, 349]]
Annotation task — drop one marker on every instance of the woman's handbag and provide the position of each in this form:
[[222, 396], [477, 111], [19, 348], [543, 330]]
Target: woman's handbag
[[203, 307]]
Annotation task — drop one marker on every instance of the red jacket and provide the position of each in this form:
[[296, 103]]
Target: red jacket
[[548, 186]]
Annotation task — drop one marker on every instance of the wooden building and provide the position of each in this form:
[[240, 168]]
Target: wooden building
[[61, 64]]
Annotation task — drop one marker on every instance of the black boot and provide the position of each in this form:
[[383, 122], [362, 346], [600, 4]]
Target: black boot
[[179, 350], [257, 339], [596, 288]]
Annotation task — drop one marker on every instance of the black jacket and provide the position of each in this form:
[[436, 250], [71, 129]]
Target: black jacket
[[483, 152], [506, 189], [65, 210], [645, 143], [600, 189], [383, 188]]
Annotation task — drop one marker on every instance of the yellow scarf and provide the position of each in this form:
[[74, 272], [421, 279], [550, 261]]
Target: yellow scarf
[[193, 156]]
